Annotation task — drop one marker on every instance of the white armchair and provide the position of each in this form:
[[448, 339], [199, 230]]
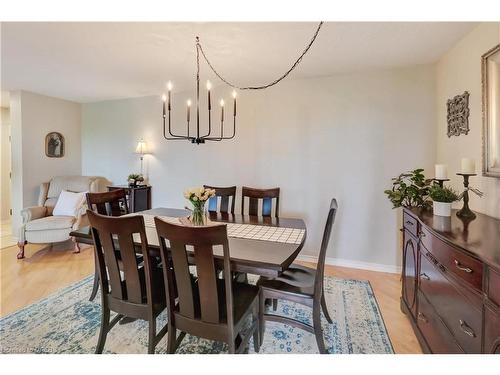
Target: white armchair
[[40, 226]]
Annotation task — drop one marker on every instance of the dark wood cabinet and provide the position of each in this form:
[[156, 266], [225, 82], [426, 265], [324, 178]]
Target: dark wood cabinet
[[138, 198], [451, 281]]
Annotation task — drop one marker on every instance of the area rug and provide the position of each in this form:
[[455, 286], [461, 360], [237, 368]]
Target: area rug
[[66, 322]]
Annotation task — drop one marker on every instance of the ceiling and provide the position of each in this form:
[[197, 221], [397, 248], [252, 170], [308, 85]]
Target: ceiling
[[88, 62]]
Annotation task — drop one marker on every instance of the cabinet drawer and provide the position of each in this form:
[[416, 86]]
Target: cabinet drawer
[[438, 337], [410, 224], [461, 265], [494, 286], [459, 310]]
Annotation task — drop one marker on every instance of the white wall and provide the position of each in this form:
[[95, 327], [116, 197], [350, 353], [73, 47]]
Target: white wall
[[32, 117], [458, 71], [343, 136], [5, 164]]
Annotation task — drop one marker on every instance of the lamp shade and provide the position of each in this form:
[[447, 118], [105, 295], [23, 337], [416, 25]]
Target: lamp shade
[[141, 148]]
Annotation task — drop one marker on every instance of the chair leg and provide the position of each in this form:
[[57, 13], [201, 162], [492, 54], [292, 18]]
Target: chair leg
[[104, 330], [152, 335], [20, 254], [262, 323], [325, 309], [231, 347], [171, 339], [76, 248], [95, 287], [318, 332], [256, 333]]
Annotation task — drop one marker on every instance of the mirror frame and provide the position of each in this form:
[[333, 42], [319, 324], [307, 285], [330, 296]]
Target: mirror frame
[[486, 137]]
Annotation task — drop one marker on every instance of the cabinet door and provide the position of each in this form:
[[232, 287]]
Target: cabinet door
[[492, 330], [410, 262]]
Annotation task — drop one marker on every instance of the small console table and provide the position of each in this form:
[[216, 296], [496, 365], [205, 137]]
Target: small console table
[[451, 281]]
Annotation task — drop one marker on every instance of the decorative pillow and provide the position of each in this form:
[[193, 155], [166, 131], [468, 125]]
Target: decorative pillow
[[68, 203]]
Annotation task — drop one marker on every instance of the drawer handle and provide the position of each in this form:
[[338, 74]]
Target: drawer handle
[[422, 317], [409, 222], [423, 275], [466, 329], [462, 268], [421, 235]]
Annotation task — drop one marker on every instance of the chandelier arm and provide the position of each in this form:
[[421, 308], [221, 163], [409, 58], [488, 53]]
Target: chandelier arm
[[172, 137], [276, 81], [222, 136]]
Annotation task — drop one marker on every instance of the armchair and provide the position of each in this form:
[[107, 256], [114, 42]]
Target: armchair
[[40, 226]]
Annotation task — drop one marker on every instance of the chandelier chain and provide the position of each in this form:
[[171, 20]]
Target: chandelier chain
[[200, 48]]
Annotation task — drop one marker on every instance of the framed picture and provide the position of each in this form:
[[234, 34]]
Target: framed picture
[[54, 145]]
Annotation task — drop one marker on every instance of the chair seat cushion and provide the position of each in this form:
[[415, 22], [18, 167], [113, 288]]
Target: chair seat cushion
[[51, 222]]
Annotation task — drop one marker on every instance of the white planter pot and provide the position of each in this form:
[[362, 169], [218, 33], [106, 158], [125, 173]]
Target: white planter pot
[[441, 208]]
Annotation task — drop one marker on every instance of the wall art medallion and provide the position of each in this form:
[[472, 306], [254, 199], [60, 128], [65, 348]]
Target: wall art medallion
[[458, 115], [54, 145]]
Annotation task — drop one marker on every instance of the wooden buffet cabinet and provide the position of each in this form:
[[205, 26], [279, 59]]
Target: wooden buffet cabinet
[[451, 281]]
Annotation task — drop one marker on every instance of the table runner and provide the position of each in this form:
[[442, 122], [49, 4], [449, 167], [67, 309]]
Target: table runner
[[248, 231]]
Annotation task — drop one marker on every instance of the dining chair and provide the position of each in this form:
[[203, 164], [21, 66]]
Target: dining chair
[[133, 290], [264, 195], [222, 194], [209, 307], [111, 203], [302, 285]]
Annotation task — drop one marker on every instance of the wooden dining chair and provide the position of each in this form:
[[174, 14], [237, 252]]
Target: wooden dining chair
[[222, 195], [133, 290], [302, 285], [111, 203], [266, 196], [209, 307]]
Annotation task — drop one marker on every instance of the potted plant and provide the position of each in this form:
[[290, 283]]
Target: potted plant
[[134, 178], [442, 198], [410, 189]]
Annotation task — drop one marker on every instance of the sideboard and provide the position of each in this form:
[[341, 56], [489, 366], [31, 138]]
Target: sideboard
[[451, 281]]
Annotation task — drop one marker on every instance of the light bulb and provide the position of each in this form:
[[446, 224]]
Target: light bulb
[[164, 97], [189, 102], [209, 85], [234, 94], [222, 102], [169, 86]]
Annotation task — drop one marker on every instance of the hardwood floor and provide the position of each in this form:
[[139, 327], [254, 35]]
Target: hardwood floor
[[46, 269]]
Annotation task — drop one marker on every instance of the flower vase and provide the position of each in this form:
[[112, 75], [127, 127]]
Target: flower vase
[[198, 216]]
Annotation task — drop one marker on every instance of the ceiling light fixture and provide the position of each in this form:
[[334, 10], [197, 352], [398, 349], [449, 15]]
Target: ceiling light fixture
[[199, 137]]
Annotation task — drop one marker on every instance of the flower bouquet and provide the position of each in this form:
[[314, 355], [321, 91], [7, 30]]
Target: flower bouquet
[[198, 197]]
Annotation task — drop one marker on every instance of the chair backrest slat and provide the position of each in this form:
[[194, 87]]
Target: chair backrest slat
[[207, 283], [224, 195], [266, 196], [182, 279], [201, 300], [116, 255]]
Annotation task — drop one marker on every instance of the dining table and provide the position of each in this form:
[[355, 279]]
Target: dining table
[[260, 245]]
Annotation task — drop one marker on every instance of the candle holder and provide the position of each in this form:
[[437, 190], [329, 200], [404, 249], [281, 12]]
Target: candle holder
[[466, 212], [440, 181]]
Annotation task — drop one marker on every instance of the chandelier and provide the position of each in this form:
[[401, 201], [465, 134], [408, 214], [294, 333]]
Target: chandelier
[[197, 137]]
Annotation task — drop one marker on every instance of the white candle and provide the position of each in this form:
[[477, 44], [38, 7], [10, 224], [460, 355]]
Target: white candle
[[441, 172], [468, 166]]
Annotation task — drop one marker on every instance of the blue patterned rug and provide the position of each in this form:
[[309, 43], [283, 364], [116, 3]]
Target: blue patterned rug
[[67, 322]]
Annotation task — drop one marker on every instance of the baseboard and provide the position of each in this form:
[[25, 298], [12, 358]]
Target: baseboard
[[353, 264]]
